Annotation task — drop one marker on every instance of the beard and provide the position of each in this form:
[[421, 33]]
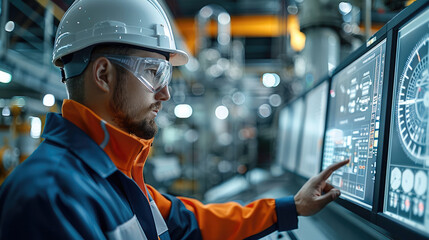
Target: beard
[[146, 128]]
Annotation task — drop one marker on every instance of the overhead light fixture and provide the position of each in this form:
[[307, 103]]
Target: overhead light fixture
[[270, 80], [345, 8], [221, 112], [5, 77], [9, 26], [18, 101], [49, 100], [5, 112], [275, 100], [183, 111], [292, 9], [36, 127], [297, 38], [224, 18], [193, 65], [264, 110], [238, 98]]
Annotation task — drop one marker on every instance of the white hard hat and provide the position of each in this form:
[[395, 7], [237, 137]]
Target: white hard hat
[[140, 23]]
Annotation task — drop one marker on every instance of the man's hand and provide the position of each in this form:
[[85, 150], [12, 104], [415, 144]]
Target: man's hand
[[310, 198]]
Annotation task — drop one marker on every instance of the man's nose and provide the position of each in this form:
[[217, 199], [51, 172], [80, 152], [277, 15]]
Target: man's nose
[[163, 94]]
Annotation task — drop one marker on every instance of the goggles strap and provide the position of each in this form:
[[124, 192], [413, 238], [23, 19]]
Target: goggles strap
[[76, 63]]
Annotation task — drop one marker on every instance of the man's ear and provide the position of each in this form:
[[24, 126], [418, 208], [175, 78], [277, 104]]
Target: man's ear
[[103, 74]]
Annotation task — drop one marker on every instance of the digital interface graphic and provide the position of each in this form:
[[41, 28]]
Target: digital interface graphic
[[406, 193], [314, 127], [353, 125], [290, 123]]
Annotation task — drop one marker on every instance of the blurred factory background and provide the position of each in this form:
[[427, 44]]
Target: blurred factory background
[[219, 130], [250, 57]]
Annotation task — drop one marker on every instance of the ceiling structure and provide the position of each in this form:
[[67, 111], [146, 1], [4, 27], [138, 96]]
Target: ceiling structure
[[29, 17], [33, 30]]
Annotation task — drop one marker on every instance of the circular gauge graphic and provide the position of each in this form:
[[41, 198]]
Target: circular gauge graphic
[[395, 178], [412, 109], [420, 183], [407, 180]]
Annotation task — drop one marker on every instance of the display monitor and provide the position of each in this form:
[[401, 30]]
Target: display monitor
[[290, 122], [352, 128], [314, 127], [406, 197], [282, 134]]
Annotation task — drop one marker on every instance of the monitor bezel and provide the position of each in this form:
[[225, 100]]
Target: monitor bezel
[[397, 228], [381, 35]]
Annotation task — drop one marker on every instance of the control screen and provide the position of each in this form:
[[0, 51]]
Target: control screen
[[406, 194], [353, 125], [314, 127], [290, 123], [282, 134]]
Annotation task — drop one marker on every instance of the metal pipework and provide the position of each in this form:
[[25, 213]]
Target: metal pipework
[[4, 38], [368, 19], [321, 21], [223, 20], [48, 32]]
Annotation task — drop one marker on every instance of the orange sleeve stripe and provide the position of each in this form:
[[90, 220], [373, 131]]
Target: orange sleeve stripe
[[256, 216], [230, 217]]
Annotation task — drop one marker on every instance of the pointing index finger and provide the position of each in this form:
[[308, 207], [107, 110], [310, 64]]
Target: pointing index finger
[[328, 171]]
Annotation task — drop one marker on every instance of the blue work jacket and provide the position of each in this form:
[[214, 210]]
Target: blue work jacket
[[70, 189]]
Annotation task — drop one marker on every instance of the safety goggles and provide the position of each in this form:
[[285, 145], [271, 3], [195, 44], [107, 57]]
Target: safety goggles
[[154, 73]]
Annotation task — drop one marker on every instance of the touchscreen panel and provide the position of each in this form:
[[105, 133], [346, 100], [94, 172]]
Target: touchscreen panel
[[407, 183], [314, 127], [290, 123], [282, 137], [353, 125]]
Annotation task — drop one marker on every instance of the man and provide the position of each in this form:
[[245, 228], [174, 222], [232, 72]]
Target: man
[[85, 181]]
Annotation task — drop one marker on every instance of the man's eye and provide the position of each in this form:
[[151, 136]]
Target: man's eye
[[151, 72]]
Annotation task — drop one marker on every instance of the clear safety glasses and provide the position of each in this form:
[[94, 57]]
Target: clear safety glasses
[[154, 73]]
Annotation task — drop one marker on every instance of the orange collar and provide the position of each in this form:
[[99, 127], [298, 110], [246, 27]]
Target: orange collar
[[126, 151]]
